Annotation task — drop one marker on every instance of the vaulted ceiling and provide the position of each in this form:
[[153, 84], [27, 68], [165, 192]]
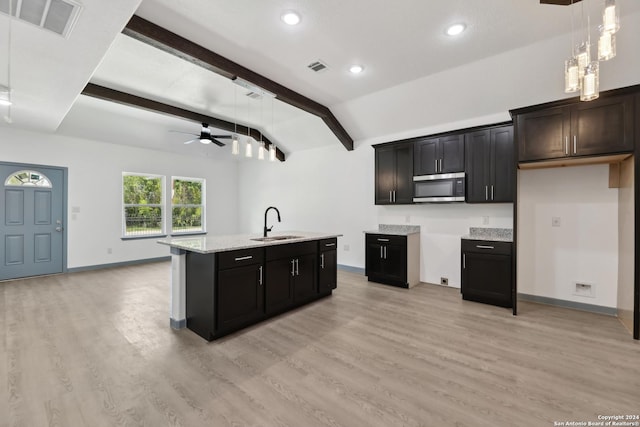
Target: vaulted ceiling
[[396, 42]]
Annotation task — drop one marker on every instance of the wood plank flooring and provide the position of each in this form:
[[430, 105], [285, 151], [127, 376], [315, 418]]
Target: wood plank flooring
[[95, 349]]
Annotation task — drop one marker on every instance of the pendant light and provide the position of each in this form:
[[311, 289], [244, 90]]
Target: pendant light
[[261, 147], [272, 147], [248, 149], [235, 144], [611, 17], [571, 69], [590, 82]]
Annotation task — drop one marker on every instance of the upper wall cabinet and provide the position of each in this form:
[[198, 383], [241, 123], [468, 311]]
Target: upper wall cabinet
[[439, 155], [566, 129], [490, 165], [394, 174]]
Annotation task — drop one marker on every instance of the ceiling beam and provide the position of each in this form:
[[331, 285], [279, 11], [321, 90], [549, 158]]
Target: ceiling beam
[[560, 2], [158, 37], [124, 98]]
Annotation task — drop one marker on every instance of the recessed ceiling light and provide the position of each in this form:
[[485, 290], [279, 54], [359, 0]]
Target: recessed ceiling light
[[356, 69], [290, 17], [456, 29]]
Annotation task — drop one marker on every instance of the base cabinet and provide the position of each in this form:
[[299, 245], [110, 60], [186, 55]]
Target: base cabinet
[[328, 265], [487, 272], [227, 291], [392, 259]]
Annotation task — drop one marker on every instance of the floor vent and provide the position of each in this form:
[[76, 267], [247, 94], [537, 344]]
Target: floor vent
[[58, 16], [317, 66]]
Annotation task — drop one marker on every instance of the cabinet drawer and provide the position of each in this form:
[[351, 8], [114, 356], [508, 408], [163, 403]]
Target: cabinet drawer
[[486, 246], [386, 239], [328, 244], [291, 250], [240, 257]]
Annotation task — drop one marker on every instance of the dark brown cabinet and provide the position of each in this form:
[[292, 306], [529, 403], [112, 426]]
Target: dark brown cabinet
[[487, 272], [386, 259], [328, 270], [444, 154], [394, 174], [603, 126], [291, 275], [240, 296], [490, 166]]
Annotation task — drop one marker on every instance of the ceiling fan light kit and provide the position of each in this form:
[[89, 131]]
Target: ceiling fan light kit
[[581, 73]]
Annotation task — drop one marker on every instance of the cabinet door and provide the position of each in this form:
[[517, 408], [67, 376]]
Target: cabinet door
[[425, 156], [395, 262], [404, 174], [278, 285], [477, 166], [451, 154], [240, 296], [373, 264], [543, 134], [502, 169], [305, 282], [385, 174], [328, 276], [603, 126], [487, 278]]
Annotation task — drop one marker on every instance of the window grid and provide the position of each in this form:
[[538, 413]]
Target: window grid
[[188, 217], [143, 219]]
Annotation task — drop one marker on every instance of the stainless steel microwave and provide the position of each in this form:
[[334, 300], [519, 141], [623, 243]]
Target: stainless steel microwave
[[442, 188]]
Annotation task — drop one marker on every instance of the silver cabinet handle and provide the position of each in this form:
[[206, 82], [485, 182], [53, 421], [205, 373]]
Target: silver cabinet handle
[[394, 196], [464, 260], [436, 165], [486, 192], [492, 192], [381, 252], [322, 261], [329, 244], [575, 144], [293, 267], [383, 240], [385, 252], [566, 145], [244, 258], [440, 165], [297, 267], [390, 197], [484, 247], [260, 280]]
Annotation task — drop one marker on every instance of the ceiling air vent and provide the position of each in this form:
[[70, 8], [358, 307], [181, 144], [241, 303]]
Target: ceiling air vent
[[317, 66], [254, 95], [58, 16]]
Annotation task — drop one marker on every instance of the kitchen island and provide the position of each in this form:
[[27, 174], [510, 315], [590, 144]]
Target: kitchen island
[[224, 283]]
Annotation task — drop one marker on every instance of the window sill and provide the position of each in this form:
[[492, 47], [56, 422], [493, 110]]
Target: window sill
[[154, 236], [188, 233]]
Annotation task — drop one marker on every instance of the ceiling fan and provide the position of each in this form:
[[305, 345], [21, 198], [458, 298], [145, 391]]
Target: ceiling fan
[[205, 136]]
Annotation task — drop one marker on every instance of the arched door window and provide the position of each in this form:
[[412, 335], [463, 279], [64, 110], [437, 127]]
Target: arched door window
[[28, 178]]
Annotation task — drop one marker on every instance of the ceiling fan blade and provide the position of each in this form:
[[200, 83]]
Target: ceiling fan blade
[[218, 143], [189, 142], [221, 136], [187, 133]]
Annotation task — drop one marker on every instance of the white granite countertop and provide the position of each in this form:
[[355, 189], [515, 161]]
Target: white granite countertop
[[493, 234], [395, 230], [211, 244]]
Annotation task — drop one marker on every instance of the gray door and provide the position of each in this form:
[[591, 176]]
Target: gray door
[[31, 221]]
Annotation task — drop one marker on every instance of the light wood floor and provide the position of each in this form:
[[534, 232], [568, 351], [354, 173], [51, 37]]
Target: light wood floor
[[95, 349]]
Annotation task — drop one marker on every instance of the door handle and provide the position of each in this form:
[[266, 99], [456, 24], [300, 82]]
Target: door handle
[[293, 267], [260, 280], [297, 267], [322, 261], [59, 229]]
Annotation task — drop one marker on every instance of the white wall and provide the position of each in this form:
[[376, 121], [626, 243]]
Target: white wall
[[584, 248], [95, 186]]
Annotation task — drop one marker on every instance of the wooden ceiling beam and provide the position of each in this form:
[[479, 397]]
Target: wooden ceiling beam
[[560, 2], [124, 98], [158, 37]]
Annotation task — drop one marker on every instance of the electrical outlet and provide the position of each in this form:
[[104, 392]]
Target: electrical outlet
[[407, 219], [346, 248], [444, 281], [109, 251], [555, 221], [485, 220]]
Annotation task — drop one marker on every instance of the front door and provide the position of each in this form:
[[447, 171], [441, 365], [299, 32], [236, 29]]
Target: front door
[[31, 221]]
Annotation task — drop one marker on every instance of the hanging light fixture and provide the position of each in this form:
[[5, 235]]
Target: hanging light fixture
[[580, 71], [235, 144], [272, 147], [261, 146], [248, 149]]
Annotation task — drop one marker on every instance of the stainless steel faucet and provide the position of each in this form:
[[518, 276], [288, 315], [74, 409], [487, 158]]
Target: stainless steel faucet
[[266, 230]]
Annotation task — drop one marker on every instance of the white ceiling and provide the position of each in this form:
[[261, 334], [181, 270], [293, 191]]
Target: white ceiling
[[396, 42]]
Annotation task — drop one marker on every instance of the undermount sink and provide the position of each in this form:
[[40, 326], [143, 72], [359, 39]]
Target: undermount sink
[[274, 238]]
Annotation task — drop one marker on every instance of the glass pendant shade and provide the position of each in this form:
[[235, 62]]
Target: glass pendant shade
[[248, 150], [5, 96], [261, 150], [590, 82], [272, 153], [235, 145], [606, 45], [611, 17], [571, 76], [583, 56]]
